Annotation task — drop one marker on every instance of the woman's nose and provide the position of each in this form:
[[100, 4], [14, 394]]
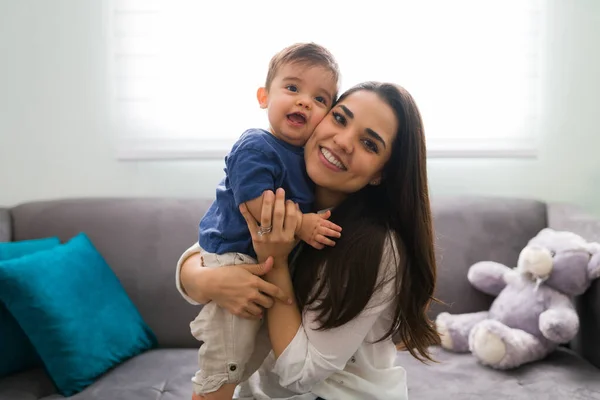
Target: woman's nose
[[344, 141]]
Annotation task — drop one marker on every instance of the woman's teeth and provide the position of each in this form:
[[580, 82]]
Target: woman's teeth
[[332, 159]]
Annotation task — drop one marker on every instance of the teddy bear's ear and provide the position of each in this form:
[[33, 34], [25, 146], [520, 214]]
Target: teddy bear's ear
[[594, 264]]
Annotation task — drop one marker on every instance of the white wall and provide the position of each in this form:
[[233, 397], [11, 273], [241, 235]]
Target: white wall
[[53, 120]]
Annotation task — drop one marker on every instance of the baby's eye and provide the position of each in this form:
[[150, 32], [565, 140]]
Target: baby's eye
[[552, 253], [292, 88], [321, 99]]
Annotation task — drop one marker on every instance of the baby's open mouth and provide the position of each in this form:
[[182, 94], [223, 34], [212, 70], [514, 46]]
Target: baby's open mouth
[[297, 118]]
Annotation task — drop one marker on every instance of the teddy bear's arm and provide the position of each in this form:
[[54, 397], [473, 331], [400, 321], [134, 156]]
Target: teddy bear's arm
[[559, 323], [489, 276]]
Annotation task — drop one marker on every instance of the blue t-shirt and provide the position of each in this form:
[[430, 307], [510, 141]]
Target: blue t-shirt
[[258, 161]]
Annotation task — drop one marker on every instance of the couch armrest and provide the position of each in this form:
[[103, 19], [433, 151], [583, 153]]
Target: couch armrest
[[5, 225], [567, 217], [571, 218]]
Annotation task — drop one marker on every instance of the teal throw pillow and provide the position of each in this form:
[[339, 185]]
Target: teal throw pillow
[[20, 248], [75, 312], [16, 352]]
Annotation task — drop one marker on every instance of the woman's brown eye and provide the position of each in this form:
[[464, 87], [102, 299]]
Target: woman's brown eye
[[339, 118], [371, 146]]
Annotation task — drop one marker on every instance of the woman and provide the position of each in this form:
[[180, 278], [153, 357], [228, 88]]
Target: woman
[[334, 341]]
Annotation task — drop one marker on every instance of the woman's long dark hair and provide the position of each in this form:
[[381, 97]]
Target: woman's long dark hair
[[339, 281]]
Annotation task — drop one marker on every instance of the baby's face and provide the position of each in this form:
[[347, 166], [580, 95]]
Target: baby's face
[[299, 98]]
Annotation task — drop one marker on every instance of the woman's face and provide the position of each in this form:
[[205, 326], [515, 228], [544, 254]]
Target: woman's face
[[350, 146]]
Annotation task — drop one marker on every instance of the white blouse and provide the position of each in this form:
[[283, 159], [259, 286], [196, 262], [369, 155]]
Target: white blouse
[[340, 363]]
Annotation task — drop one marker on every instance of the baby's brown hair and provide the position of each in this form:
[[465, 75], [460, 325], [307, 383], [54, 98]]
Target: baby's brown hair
[[309, 54]]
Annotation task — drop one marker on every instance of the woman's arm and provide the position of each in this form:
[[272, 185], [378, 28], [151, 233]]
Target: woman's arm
[[282, 218], [239, 289], [283, 320]]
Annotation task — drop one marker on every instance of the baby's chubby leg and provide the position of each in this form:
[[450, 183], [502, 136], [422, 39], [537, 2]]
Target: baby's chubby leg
[[228, 341]]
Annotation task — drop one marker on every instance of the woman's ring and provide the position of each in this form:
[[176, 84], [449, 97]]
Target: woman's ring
[[263, 230]]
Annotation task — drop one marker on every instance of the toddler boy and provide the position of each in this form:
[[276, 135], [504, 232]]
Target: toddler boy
[[301, 86]]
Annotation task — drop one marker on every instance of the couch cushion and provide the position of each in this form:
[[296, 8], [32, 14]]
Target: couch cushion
[[28, 385], [163, 374], [10, 250], [563, 375], [141, 240], [472, 229]]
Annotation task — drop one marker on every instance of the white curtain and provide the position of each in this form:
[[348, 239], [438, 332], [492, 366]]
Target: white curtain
[[184, 73]]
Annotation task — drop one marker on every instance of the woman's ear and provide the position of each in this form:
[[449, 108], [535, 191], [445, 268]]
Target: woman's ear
[[263, 97]]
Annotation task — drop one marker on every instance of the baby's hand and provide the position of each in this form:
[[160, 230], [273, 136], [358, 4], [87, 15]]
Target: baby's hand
[[316, 230]]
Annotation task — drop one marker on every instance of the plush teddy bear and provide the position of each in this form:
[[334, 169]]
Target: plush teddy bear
[[533, 312]]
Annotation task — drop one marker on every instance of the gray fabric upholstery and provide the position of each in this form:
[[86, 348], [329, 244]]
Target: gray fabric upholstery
[[473, 229], [571, 218], [165, 374], [141, 240], [29, 385], [563, 375], [5, 225], [158, 374]]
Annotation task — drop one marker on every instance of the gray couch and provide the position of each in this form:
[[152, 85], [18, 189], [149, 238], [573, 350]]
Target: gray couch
[[141, 240]]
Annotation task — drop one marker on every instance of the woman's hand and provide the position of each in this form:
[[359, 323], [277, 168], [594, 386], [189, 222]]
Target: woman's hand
[[237, 288], [279, 221]]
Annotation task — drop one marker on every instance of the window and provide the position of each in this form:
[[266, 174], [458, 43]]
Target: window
[[183, 74]]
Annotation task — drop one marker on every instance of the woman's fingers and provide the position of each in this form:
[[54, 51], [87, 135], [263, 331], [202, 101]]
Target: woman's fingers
[[273, 291], [263, 301], [267, 209], [253, 310], [247, 315], [292, 216], [279, 210], [250, 221]]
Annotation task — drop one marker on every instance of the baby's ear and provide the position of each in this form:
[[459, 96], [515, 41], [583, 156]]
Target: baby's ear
[[594, 264], [263, 97]]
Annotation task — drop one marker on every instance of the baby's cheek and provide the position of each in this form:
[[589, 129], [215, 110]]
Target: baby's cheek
[[318, 117]]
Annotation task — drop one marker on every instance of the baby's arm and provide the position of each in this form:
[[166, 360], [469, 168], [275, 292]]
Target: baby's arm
[[316, 230], [255, 207]]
